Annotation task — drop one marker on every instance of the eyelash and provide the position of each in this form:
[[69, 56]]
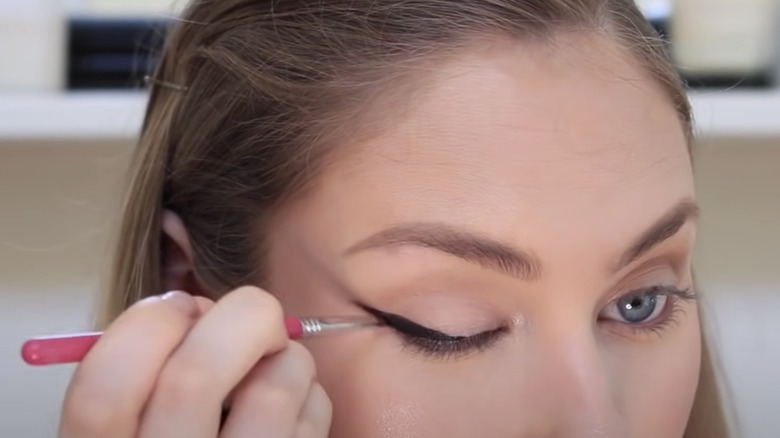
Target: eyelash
[[434, 343], [453, 347], [440, 345], [668, 317]]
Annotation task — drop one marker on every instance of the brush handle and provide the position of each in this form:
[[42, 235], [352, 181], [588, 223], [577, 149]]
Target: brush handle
[[59, 349]]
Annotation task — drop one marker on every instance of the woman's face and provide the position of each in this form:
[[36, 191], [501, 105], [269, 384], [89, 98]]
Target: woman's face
[[532, 216]]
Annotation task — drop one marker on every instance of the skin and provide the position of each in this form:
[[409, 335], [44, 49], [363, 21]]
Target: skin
[[567, 152]]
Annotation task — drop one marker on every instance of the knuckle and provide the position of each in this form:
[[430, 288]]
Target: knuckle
[[306, 429], [179, 385], [259, 300], [317, 418], [322, 401], [285, 380], [176, 304], [204, 304], [280, 396], [271, 307], [304, 361], [87, 413]]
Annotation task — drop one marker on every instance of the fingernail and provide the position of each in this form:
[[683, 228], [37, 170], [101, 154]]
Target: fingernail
[[182, 300]]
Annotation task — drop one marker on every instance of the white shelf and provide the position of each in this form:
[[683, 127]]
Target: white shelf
[[93, 115], [112, 115], [737, 114]]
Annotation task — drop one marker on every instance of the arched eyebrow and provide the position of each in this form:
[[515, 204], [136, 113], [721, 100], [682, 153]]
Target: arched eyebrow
[[665, 227], [466, 245], [496, 255]]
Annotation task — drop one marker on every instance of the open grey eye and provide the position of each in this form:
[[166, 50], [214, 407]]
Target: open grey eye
[[637, 308], [645, 306]]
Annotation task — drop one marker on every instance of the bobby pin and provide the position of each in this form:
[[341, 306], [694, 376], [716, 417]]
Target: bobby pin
[[170, 85]]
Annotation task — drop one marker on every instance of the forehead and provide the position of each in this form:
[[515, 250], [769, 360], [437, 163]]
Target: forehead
[[530, 131]]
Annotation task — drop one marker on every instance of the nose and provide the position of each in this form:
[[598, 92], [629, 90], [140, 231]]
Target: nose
[[574, 372]]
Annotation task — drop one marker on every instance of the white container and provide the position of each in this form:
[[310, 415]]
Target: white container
[[134, 7], [725, 37], [32, 45], [655, 9]]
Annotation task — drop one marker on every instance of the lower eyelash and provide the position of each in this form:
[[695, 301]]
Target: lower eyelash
[[669, 321], [453, 348]]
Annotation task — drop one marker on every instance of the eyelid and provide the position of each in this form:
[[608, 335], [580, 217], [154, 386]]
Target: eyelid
[[658, 289], [661, 289], [434, 343], [653, 273], [408, 326]]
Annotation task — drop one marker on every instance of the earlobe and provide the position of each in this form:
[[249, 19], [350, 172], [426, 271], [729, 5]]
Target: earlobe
[[176, 255]]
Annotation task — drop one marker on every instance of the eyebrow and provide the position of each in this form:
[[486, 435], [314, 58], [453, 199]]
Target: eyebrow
[[664, 228], [492, 254], [465, 245]]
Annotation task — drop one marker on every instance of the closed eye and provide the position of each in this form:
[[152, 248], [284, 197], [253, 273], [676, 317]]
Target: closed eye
[[434, 342]]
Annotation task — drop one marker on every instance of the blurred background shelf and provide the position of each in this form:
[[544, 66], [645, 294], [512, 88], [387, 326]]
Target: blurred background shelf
[[79, 116], [753, 114], [117, 115]]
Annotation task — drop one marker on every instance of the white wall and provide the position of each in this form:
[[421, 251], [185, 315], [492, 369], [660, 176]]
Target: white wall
[[56, 202], [738, 267]]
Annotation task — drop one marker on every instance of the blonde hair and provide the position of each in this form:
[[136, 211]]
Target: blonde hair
[[271, 87]]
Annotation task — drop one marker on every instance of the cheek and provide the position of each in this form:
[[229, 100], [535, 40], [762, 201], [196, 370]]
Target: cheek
[[372, 395], [398, 420], [659, 386], [379, 392]]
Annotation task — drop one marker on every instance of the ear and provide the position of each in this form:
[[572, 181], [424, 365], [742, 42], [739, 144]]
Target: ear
[[178, 271]]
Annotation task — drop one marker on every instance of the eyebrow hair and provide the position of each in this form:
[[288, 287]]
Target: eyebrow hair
[[664, 228], [465, 245], [498, 256]]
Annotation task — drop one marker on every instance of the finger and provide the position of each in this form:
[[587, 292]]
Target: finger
[[269, 400], [204, 304], [113, 382], [219, 351], [316, 415]]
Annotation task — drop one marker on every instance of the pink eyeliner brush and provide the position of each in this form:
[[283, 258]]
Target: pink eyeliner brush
[[70, 348]]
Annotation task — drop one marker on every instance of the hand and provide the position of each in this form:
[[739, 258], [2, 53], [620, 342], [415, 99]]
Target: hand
[[165, 367]]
